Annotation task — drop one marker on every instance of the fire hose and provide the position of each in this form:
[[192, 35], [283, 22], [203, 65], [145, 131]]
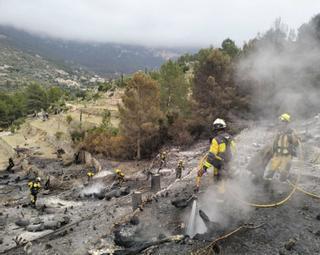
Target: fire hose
[[274, 204]]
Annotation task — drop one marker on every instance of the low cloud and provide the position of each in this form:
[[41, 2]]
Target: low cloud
[[154, 22]]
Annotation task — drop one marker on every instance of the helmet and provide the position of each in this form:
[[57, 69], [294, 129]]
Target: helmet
[[38, 179], [180, 161], [118, 171], [285, 117], [219, 124]]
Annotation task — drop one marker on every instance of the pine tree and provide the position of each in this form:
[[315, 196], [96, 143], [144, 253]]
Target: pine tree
[[174, 88], [214, 90], [140, 112]]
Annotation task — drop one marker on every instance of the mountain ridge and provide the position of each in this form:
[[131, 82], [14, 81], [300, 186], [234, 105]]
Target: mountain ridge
[[106, 59]]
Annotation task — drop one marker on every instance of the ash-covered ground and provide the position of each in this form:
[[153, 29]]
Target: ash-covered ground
[[92, 218]]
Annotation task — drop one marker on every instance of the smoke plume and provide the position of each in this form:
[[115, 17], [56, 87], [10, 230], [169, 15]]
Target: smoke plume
[[281, 70]]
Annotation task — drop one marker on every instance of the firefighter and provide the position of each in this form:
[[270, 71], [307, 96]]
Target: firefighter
[[34, 187], [90, 173], [163, 160], [220, 153], [10, 166], [179, 169], [285, 147], [120, 176]]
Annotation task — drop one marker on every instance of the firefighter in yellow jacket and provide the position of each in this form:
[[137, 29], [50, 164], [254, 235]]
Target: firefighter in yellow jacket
[[220, 153], [34, 187], [120, 176], [90, 173], [285, 147]]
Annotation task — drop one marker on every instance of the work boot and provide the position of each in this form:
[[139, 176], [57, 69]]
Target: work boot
[[217, 178]]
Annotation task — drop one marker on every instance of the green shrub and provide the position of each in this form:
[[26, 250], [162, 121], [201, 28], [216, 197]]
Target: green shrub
[[77, 135], [69, 119], [58, 135]]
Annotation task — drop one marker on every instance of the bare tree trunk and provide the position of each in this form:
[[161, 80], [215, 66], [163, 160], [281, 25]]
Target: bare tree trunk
[[139, 146]]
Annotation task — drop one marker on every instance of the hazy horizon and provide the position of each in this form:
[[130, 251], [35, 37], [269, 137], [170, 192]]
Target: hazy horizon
[[155, 23]]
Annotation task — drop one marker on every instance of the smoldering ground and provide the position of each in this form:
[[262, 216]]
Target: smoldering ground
[[232, 208]]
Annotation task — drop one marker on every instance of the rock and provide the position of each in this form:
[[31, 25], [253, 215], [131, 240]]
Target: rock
[[50, 210], [124, 191], [124, 238], [4, 176], [318, 217], [100, 195], [134, 220], [113, 193], [290, 244], [36, 221], [96, 165], [22, 222], [48, 246], [45, 192], [35, 228], [317, 233], [2, 221], [25, 165], [63, 219], [182, 202], [53, 224], [1, 240], [282, 252], [67, 161]]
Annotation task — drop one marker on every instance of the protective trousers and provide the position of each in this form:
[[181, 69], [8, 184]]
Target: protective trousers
[[280, 164]]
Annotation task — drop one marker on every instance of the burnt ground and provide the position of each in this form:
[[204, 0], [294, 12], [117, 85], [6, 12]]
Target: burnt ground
[[87, 222]]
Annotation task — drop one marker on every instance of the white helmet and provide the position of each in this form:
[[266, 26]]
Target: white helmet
[[38, 179], [219, 123]]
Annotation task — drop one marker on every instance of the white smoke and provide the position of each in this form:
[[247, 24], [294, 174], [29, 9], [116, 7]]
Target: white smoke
[[93, 188], [281, 70]]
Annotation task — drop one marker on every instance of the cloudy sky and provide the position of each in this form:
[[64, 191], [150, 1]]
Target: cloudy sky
[[155, 22]]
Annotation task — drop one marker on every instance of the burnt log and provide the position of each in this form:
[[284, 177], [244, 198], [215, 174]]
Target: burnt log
[[182, 202], [141, 246], [211, 225], [155, 183], [136, 200], [124, 239]]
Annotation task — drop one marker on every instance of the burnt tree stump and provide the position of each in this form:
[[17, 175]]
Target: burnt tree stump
[[155, 183]]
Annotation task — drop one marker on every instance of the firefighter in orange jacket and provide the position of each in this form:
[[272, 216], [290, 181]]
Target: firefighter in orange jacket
[[220, 153]]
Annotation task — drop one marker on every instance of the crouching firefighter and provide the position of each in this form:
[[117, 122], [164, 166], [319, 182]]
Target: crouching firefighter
[[34, 187], [220, 153], [120, 177], [285, 146], [91, 173]]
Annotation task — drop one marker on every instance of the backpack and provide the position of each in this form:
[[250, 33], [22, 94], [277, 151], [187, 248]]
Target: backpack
[[227, 139]]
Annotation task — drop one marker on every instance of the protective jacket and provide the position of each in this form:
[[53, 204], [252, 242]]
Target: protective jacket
[[286, 143], [34, 186], [221, 150]]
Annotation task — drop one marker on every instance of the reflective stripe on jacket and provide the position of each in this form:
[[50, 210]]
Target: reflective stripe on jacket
[[221, 149], [285, 143]]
